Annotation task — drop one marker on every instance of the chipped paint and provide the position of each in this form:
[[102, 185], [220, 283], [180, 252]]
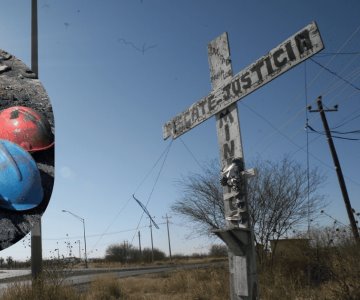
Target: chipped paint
[[229, 90]]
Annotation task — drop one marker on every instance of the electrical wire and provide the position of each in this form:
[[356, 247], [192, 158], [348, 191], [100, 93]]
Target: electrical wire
[[165, 152], [93, 235], [153, 188], [335, 74], [346, 122], [346, 132], [192, 154], [307, 146], [337, 53], [310, 84], [355, 72], [333, 136]]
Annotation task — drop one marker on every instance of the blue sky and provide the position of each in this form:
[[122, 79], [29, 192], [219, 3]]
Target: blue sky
[[116, 71]]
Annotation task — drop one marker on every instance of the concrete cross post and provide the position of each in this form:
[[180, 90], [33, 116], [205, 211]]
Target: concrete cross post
[[243, 277]]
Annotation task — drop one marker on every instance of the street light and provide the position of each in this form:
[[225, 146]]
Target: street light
[[83, 221]]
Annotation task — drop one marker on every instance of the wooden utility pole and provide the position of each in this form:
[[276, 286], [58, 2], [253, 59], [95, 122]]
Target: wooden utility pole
[[168, 233], [36, 246], [338, 170], [139, 242], [152, 243], [227, 89]]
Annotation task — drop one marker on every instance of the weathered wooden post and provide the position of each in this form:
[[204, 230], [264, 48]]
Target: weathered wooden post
[[226, 91], [242, 259]]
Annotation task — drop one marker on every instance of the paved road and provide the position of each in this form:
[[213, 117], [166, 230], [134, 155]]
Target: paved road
[[5, 274], [81, 278], [90, 275]]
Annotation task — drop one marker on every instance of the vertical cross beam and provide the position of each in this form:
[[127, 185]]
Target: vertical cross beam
[[242, 264]]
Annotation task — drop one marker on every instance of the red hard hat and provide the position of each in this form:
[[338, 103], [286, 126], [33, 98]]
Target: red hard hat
[[26, 127]]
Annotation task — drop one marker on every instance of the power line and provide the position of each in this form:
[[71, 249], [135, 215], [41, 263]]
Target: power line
[[299, 148], [192, 154], [96, 235], [353, 73], [334, 136], [346, 132], [166, 150], [337, 53], [335, 74], [307, 147], [153, 188], [346, 122], [272, 126]]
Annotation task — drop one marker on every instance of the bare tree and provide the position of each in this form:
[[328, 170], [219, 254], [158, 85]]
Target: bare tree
[[282, 197], [278, 199], [201, 202], [9, 261]]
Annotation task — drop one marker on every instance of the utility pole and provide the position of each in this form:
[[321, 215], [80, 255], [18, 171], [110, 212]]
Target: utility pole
[[36, 246], [152, 243], [168, 233], [126, 246], [337, 166], [139, 243]]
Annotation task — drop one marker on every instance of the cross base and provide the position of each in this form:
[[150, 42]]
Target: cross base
[[237, 239]]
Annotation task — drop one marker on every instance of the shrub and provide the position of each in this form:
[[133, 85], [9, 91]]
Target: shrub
[[218, 251]]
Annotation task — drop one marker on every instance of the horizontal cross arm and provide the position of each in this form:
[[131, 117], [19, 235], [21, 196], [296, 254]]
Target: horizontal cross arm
[[288, 54]]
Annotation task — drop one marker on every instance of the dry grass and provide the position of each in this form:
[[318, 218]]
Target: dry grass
[[336, 275], [175, 261], [18, 291], [198, 284], [105, 288]]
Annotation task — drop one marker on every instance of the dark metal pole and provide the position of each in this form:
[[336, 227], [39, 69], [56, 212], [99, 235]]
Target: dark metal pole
[[36, 246], [36, 250], [34, 38], [338, 171]]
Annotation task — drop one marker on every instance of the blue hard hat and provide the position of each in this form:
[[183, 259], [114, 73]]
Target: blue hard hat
[[20, 181]]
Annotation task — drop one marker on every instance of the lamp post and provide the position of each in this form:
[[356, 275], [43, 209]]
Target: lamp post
[[83, 221]]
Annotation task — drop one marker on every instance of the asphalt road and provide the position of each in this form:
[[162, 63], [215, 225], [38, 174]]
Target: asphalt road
[[83, 277]]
